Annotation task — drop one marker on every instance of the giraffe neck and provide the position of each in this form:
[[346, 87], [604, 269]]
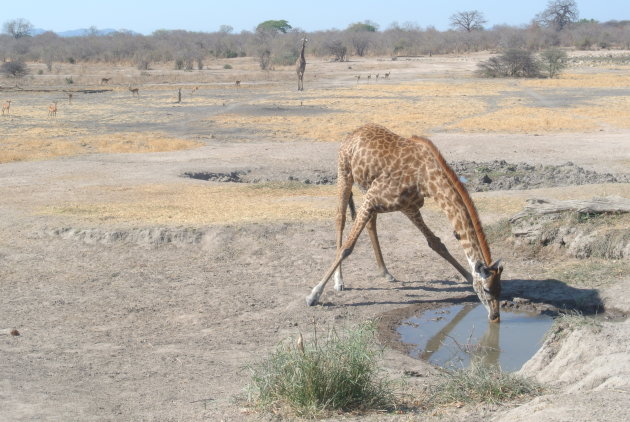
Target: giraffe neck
[[453, 198]]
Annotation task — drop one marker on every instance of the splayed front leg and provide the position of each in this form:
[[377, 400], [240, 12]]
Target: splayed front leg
[[364, 215]]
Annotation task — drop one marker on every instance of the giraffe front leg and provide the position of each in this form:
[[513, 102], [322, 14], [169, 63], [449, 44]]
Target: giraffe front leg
[[364, 215]]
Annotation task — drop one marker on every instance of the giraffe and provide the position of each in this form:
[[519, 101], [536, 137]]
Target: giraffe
[[300, 66], [397, 174]]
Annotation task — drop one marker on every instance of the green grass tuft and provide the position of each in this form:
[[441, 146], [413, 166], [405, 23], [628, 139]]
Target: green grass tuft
[[338, 373]]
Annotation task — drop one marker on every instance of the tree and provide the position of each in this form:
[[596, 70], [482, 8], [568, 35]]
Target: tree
[[18, 28], [226, 29], [337, 49], [274, 26], [559, 14], [468, 21], [366, 26], [361, 36]]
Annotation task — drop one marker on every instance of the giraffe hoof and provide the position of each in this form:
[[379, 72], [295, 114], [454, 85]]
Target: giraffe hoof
[[390, 278], [311, 301]]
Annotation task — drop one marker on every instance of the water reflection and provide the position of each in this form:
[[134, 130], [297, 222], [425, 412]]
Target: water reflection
[[459, 334]]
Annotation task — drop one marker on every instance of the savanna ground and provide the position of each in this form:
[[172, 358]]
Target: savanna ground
[[142, 294]]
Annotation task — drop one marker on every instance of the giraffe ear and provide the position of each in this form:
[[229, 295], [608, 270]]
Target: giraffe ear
[[497, 266], [482, 269]]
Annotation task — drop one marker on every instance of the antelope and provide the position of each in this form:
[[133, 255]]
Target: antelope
[[237, 84], [6, 107], [194, 89], [387, 75], [105, 81], [135, 92], [52, 109], [69, 97]]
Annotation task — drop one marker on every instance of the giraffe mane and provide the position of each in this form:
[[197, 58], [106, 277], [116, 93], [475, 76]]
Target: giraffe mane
[[463, 193]]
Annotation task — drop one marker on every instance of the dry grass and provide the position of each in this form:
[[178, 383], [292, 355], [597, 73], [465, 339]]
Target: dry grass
[[202, 204], [579, 80], [30, 146], [351, 108], [526, 120]]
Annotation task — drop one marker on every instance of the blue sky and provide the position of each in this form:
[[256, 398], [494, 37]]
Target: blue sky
[[208, 15]]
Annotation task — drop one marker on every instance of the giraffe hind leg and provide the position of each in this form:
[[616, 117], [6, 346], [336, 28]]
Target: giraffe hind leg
[[371, 227], [344, 193]]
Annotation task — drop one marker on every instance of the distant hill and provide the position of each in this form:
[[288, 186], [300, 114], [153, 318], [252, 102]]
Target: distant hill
[[80, 32]]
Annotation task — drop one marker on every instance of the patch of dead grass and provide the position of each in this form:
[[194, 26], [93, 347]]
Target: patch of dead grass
[[202, 204], [580, 80], [407, 115], [526, 120], [30, 146]]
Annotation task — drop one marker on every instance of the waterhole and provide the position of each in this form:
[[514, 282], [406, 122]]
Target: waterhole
[[454, 336]]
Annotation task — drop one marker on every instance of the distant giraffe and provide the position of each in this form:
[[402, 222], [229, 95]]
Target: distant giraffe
[[52, 109], [397, 174], [135, 92], [300, 66], [6, 107]]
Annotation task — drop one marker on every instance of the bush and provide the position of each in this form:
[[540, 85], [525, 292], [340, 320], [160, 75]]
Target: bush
[[553, 61], [513, 63], [227, 66], [16, 69], [340, 374]]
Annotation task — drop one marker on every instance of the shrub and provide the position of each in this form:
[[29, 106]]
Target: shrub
[[553, 61], [340, 374], [514, 63], [15, 69], [227, 66]]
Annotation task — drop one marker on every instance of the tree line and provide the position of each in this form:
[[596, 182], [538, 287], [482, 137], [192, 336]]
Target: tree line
[[276, 42]]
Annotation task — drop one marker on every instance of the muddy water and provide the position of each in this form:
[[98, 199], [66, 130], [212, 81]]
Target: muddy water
[[456, 335]]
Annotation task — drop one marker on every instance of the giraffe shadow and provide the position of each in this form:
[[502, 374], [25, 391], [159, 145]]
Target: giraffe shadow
[[428, 286], [555, 294]]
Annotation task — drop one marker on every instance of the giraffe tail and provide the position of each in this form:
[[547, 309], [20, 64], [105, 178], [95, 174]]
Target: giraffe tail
[[353, 210]]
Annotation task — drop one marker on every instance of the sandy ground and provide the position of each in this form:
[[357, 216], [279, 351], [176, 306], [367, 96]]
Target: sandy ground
[[127, 316]]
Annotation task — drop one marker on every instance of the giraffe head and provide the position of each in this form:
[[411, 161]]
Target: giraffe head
[[487, 285]]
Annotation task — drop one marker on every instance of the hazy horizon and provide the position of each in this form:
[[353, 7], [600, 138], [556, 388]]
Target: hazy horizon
[[146, 17]]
